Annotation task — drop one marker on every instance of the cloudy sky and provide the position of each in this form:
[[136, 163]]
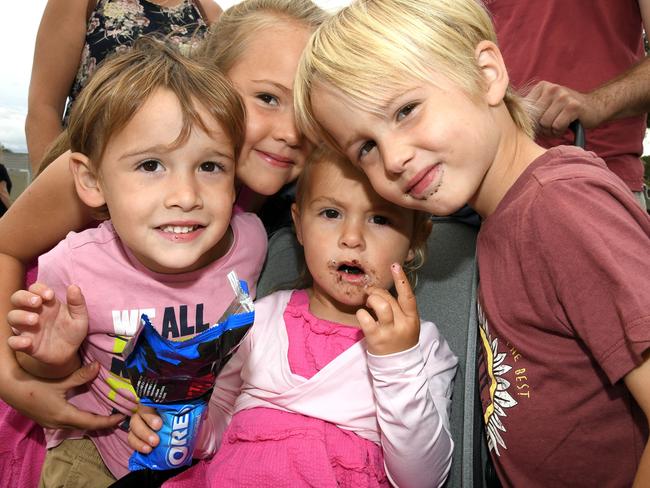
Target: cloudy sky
[[18, 25]]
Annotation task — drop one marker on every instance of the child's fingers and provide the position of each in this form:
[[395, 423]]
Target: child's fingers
[[78, 419], [367, 322], [23, 325], [136, 442], [76, 303], [150, 417], [141, 437], [381, 302], [42, 290], [22, 319], [405, 295], [20, 343], [26, 299]]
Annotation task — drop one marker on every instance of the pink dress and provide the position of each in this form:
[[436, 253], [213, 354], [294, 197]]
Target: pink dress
[[269, 447], [22, 442]]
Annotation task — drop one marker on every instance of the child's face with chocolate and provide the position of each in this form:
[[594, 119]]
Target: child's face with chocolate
[[429, 148], [351, 236]]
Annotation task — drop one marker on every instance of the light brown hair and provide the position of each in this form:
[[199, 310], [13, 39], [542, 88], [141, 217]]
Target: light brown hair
[[125, 81]]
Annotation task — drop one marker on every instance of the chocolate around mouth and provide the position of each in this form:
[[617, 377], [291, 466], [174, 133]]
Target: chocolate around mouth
[[352, 268]]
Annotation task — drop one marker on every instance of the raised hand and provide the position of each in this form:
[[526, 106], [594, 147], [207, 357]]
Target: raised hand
[[46, 329], [397, 327], [142, 429]]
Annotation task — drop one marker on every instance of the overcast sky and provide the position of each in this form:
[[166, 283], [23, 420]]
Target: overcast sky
[[18, 24], [19, 21]]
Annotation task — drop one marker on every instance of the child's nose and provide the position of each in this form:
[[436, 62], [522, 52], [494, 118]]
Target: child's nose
[[396, 156], [183, 192], [285, 130], [352, 235]]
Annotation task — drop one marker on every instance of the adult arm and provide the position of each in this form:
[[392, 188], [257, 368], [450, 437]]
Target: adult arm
[[39, 218], [626, 95], [210, 10], [57, 55], [638, 382], [4, 194]]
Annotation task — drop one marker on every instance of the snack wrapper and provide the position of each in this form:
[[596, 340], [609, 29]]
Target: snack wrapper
[[177, 377]]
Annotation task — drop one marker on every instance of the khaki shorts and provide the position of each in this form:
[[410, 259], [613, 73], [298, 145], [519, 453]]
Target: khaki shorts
[[75, 463]]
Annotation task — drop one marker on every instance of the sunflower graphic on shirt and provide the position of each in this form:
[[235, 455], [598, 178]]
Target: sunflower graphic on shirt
[[493, 380]]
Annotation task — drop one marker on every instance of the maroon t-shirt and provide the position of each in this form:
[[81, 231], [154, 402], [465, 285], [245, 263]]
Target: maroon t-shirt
[[580, 44], [564, 264]]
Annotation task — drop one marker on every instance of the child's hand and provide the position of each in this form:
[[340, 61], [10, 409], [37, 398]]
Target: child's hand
[[397, 327], [142, 429], [46, 329]]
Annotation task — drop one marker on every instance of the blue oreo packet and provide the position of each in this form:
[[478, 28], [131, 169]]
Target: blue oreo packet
[[180, 429], [177, 377]]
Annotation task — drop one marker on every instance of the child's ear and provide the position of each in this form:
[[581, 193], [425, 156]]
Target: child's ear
[[495, 75], [86, 181], [295, 216]]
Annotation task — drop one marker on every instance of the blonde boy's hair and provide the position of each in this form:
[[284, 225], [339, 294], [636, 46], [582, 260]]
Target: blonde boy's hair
[[230, 35], [125, 82], [372, 49], [421, 222]]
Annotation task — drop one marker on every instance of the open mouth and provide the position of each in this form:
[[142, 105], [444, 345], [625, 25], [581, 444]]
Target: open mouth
[[350, 272], [350, 269]]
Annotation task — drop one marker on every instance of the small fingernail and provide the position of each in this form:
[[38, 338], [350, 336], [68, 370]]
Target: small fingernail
[[151, 439], [146, 448], [395, 267], [33, 300]]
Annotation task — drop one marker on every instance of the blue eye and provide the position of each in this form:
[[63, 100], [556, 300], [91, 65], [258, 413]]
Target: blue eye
[[405, 111], [366, 147], [150, 166], [211, 167], [379, 220], [268, 99]]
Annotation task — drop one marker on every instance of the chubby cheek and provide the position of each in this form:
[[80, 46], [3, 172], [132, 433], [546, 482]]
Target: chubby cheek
[[387, 190]]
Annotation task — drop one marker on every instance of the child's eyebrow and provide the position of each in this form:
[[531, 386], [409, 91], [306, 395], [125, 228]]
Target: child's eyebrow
[[163, 148], [279, 86], [388, 104], [328, 200]]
